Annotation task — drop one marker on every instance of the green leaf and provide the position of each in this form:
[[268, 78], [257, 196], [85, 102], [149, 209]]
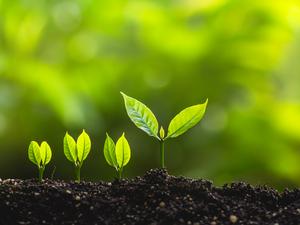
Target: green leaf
[[141, 116], [83, 146], [122, 151], [186, 119], [70, 148], [109, 151], [162, 133], [34, 153], [46, 153]]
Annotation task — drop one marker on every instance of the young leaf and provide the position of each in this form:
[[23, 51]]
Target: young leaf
[[46, 153], [162, 133], [186, 119], [34, 153], [70, 148], [109, 151], [122, 151], [83, 146], [141, 116]]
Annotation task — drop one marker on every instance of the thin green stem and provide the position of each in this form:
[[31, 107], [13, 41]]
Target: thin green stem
[[120, 173], [41, 173], [77, 173], [162, 153]]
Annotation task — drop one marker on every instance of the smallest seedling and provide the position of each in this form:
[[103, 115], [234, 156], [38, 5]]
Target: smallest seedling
[[40, 155], [117, 155]]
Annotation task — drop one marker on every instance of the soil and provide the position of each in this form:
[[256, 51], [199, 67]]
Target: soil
[[155, 198]]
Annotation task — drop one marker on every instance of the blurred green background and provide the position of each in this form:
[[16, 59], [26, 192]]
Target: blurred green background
[[63, 64]]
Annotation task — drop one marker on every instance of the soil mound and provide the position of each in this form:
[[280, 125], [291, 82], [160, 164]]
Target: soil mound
[[155, 198]]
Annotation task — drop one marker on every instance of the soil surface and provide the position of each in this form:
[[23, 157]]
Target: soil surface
[[155, 198]]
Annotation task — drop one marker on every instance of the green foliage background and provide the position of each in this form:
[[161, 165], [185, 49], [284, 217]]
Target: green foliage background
[[63, 63]]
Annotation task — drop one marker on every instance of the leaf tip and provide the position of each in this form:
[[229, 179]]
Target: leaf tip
[[205, 103], [34, 143], [123, 94]]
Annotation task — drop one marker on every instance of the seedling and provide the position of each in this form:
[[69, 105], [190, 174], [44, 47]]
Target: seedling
[[144, 119], [40, 155], [117, 155], [76, 152]]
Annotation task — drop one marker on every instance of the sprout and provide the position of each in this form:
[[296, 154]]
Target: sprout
[[117, 155], [77, 152], [40, 155], [144, 119]]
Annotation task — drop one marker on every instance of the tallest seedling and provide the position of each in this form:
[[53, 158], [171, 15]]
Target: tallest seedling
[[144, 119]]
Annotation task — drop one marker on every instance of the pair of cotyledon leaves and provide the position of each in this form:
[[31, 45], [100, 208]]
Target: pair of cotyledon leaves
[[40, 155], [144, 118], [117, 155], [77, 152]]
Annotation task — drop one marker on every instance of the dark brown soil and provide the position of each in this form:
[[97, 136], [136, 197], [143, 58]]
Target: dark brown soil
[[156, 198]]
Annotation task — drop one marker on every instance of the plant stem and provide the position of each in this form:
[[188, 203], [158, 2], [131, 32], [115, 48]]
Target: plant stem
[[120, 173], [162, 153], [77, 173], [41, 173]]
